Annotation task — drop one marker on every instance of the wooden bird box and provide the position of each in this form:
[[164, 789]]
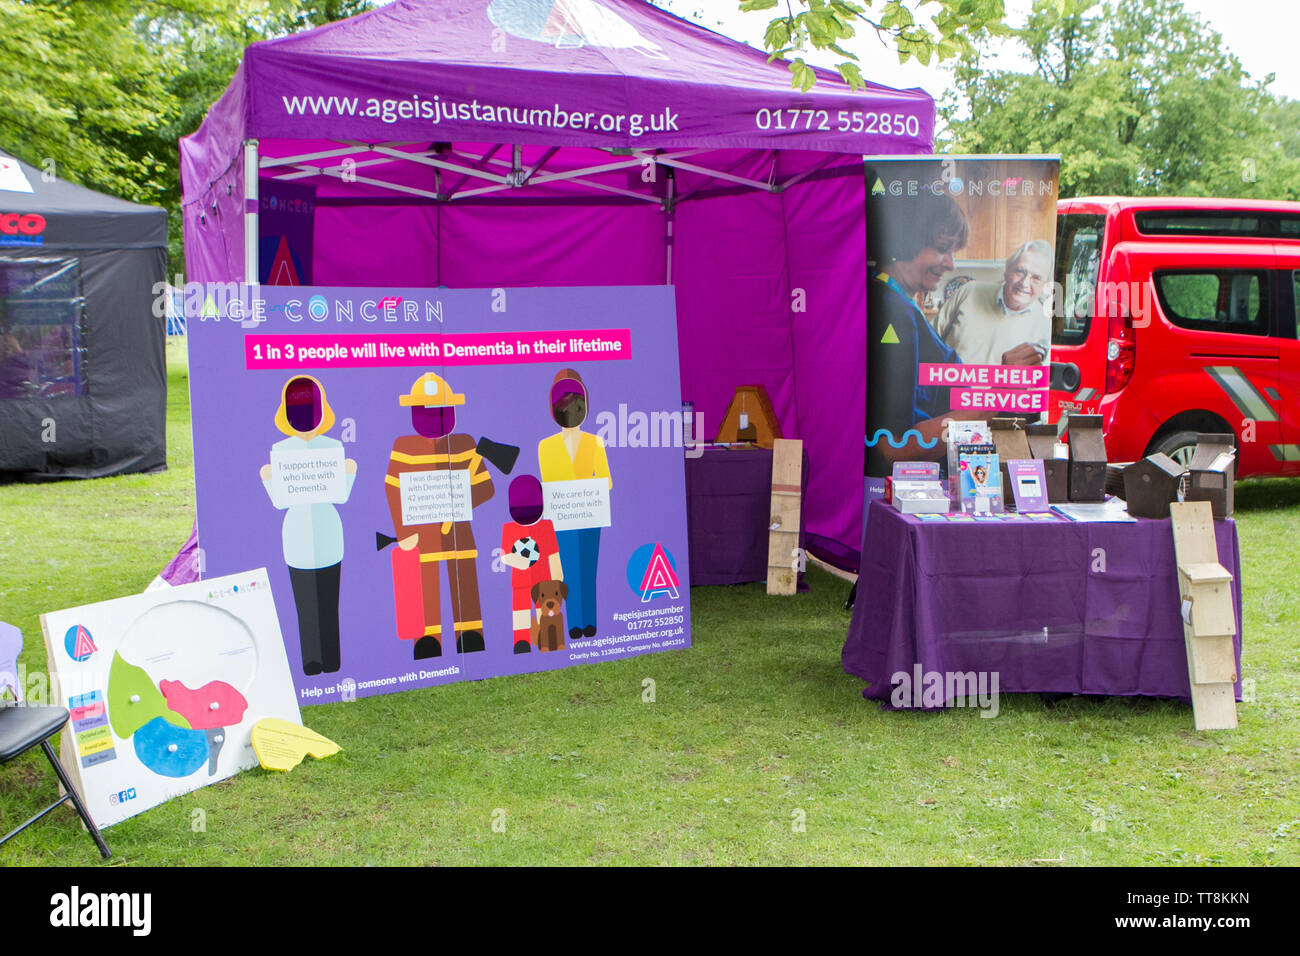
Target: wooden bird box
[[1209, 589], [1042, 440], [1013, 445], [1151, 484], [759, 426], [1208, 613], [1213, 472], [1115, 478], [1087, 458]]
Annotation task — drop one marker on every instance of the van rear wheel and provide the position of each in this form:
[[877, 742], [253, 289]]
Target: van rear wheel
[[1179, 446]]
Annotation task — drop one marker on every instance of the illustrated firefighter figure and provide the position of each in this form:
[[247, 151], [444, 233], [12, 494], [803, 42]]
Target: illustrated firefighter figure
[[435, 479]]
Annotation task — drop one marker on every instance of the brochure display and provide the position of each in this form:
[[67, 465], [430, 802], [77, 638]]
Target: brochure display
[[980, 479], [445, 484], [917, 489], [1028, 485]]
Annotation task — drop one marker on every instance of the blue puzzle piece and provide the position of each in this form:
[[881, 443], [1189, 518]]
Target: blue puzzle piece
[[168, 750]]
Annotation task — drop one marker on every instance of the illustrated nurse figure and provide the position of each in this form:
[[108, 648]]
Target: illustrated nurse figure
[[575, 455], [312, 534]]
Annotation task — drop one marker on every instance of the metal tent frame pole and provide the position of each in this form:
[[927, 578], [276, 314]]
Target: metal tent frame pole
[[513, 176], [251, 237]]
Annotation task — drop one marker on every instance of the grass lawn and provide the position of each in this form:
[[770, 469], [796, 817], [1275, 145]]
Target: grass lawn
[[752, 730]]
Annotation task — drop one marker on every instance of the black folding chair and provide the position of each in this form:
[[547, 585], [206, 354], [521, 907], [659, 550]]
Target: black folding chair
[[22, 727]]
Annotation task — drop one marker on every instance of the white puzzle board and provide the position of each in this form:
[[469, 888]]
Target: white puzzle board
[[163, 689]]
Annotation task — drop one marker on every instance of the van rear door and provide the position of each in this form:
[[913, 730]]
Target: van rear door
[[1206, 342], [1078, 366]]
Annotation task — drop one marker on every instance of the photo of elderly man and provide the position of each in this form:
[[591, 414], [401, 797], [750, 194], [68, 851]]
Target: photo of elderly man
[[1007, 323]]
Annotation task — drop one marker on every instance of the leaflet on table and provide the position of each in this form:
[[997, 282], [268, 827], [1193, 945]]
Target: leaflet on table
[[979, 479], [1028, 484], [1111, 510], [1011, 516]]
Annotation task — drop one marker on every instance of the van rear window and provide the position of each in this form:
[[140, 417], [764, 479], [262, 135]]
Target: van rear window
[[1228, 300], [1078, 257], [1202, 222]]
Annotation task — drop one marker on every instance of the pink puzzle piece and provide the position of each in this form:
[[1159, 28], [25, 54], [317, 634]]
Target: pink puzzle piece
[[215, 704]]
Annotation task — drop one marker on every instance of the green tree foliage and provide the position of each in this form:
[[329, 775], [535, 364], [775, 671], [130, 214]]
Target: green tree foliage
[[76, 80], [943, 32], [1139, 97], [99, 91]]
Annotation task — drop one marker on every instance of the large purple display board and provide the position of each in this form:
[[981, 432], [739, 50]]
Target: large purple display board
[[444, 484]]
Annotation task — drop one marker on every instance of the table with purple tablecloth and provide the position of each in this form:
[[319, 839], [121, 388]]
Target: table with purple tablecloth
[[728, 508], [1051, 606]]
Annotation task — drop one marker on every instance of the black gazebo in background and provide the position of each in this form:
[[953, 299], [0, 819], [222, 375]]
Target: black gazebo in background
[[83, 379]]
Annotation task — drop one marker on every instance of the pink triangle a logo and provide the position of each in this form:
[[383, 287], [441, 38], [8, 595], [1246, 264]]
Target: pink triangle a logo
[[78, 643], [659, 577], [282, 270]]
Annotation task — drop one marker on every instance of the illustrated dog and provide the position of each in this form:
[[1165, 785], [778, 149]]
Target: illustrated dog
[[548, 627]]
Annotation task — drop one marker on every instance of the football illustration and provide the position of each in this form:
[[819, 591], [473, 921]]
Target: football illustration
[[527, 549]]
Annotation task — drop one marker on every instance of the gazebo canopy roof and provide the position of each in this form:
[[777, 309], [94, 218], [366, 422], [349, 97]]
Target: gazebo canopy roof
[[418, 75]]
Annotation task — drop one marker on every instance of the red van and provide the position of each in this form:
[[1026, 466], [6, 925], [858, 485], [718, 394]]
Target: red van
[[1178, 316]]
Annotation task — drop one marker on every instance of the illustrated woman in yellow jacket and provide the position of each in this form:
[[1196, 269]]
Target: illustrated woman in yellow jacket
[[575, 455]]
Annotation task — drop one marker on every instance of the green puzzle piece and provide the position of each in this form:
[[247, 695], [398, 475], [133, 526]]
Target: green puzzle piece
[[126, 715]]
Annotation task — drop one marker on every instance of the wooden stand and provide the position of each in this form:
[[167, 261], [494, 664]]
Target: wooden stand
[[783, 557], [1209, 623]]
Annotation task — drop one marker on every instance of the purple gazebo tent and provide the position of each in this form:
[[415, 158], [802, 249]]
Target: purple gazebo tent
[[468, 143]]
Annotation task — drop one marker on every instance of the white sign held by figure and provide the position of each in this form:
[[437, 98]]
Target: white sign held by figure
[[582, 503], [434, 497], [308, 476]]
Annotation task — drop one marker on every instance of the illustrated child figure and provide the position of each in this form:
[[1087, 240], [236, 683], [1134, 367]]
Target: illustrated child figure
[[312, 535], [437, 446], [529, 548]]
